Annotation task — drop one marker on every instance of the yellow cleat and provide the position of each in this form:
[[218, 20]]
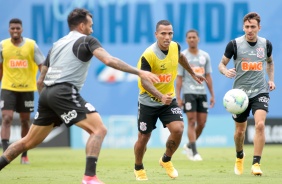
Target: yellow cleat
[[239, 166], [140, 175], [170, 170], [256, 169]]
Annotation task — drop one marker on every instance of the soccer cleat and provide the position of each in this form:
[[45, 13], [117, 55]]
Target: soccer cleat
[[140, 175], [24, 160], [196, 157], [189, 152], [256, 170], [91, 180], [170, 170], [239, 165]]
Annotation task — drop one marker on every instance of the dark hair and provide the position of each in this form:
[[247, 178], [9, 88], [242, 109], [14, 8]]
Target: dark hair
[[252, 15], [192, 31], [77, 16], [162, 22], [15, 21]]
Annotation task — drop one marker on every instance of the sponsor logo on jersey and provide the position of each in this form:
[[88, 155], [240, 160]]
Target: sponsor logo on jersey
[[17, 63], [199, 70], [163, 67], [252, 66], [164, 78]]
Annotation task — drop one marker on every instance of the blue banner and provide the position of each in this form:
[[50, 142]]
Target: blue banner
[[126, 27]]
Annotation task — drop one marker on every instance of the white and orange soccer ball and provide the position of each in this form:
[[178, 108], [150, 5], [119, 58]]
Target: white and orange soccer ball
[[235, 101]]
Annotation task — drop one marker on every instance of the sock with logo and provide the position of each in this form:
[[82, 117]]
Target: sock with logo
[[5, 144], [240, 154], [90, 169], [256, 159]]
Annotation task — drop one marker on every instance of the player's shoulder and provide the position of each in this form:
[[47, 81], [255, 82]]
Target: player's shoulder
[[28, 40]]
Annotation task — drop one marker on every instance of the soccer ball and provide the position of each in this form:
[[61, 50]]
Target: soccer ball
[[235, 101]]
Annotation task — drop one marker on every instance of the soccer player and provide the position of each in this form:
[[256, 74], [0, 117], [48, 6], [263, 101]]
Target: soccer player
[[194, 101], [158, 100], [252, 57], [63, 74], [20, 59]]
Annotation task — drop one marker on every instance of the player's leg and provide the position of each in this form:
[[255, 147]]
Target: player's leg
[[25, 105], [259, 109], [171, 118], [25, 124], [8, 103], [147, 118], [34, 137], [97, 131]]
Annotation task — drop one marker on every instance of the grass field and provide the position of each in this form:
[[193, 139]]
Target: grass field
[[115, 166]]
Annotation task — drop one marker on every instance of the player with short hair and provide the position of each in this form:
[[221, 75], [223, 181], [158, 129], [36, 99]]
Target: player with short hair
[[157, 101], [194, 100], [252, 60], [20, 60], [63, 74]]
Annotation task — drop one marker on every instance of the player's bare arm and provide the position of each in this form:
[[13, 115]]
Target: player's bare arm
[[270, 73], [40, 83], [230, 73], [178, 90], [185, 64], [118, 64], [1, 71], [210, 87]]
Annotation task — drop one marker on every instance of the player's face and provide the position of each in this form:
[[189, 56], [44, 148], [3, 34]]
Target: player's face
[[192, 39], [251, 29], [164, 36], [87, 28], [15, 30]]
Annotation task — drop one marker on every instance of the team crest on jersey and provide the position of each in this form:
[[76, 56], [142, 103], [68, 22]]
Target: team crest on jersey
[[260, 52], [202, 60], [143, 126]]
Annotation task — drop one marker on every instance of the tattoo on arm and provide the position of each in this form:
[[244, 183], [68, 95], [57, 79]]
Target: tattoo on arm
[[185, 64]]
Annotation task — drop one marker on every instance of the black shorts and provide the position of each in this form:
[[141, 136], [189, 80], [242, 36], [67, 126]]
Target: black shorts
[[61, 103], [148, 116], [17, 101], [195, 103], [258, 102]]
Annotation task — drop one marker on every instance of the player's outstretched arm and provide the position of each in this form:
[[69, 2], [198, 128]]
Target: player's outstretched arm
[[185, 64], [114, 62]]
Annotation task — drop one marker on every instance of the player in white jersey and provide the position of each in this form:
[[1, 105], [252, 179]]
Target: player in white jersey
[[252, 60], [194, 100]]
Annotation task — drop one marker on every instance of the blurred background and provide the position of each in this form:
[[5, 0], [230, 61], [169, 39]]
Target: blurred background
[[126, 28]]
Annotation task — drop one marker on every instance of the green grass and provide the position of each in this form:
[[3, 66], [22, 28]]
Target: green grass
[[115, 166]]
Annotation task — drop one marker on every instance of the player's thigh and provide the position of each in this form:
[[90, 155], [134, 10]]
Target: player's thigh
[[190, 103], [8, 100], [202, 104], [147, 118], [92, 123], [25, 102], [171, 113]]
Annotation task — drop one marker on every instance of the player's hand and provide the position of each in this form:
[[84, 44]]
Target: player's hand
[[271, 85], [149, 76], [212, 102], [230, 73], [167, 99], [179, 102], [199, 78]]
